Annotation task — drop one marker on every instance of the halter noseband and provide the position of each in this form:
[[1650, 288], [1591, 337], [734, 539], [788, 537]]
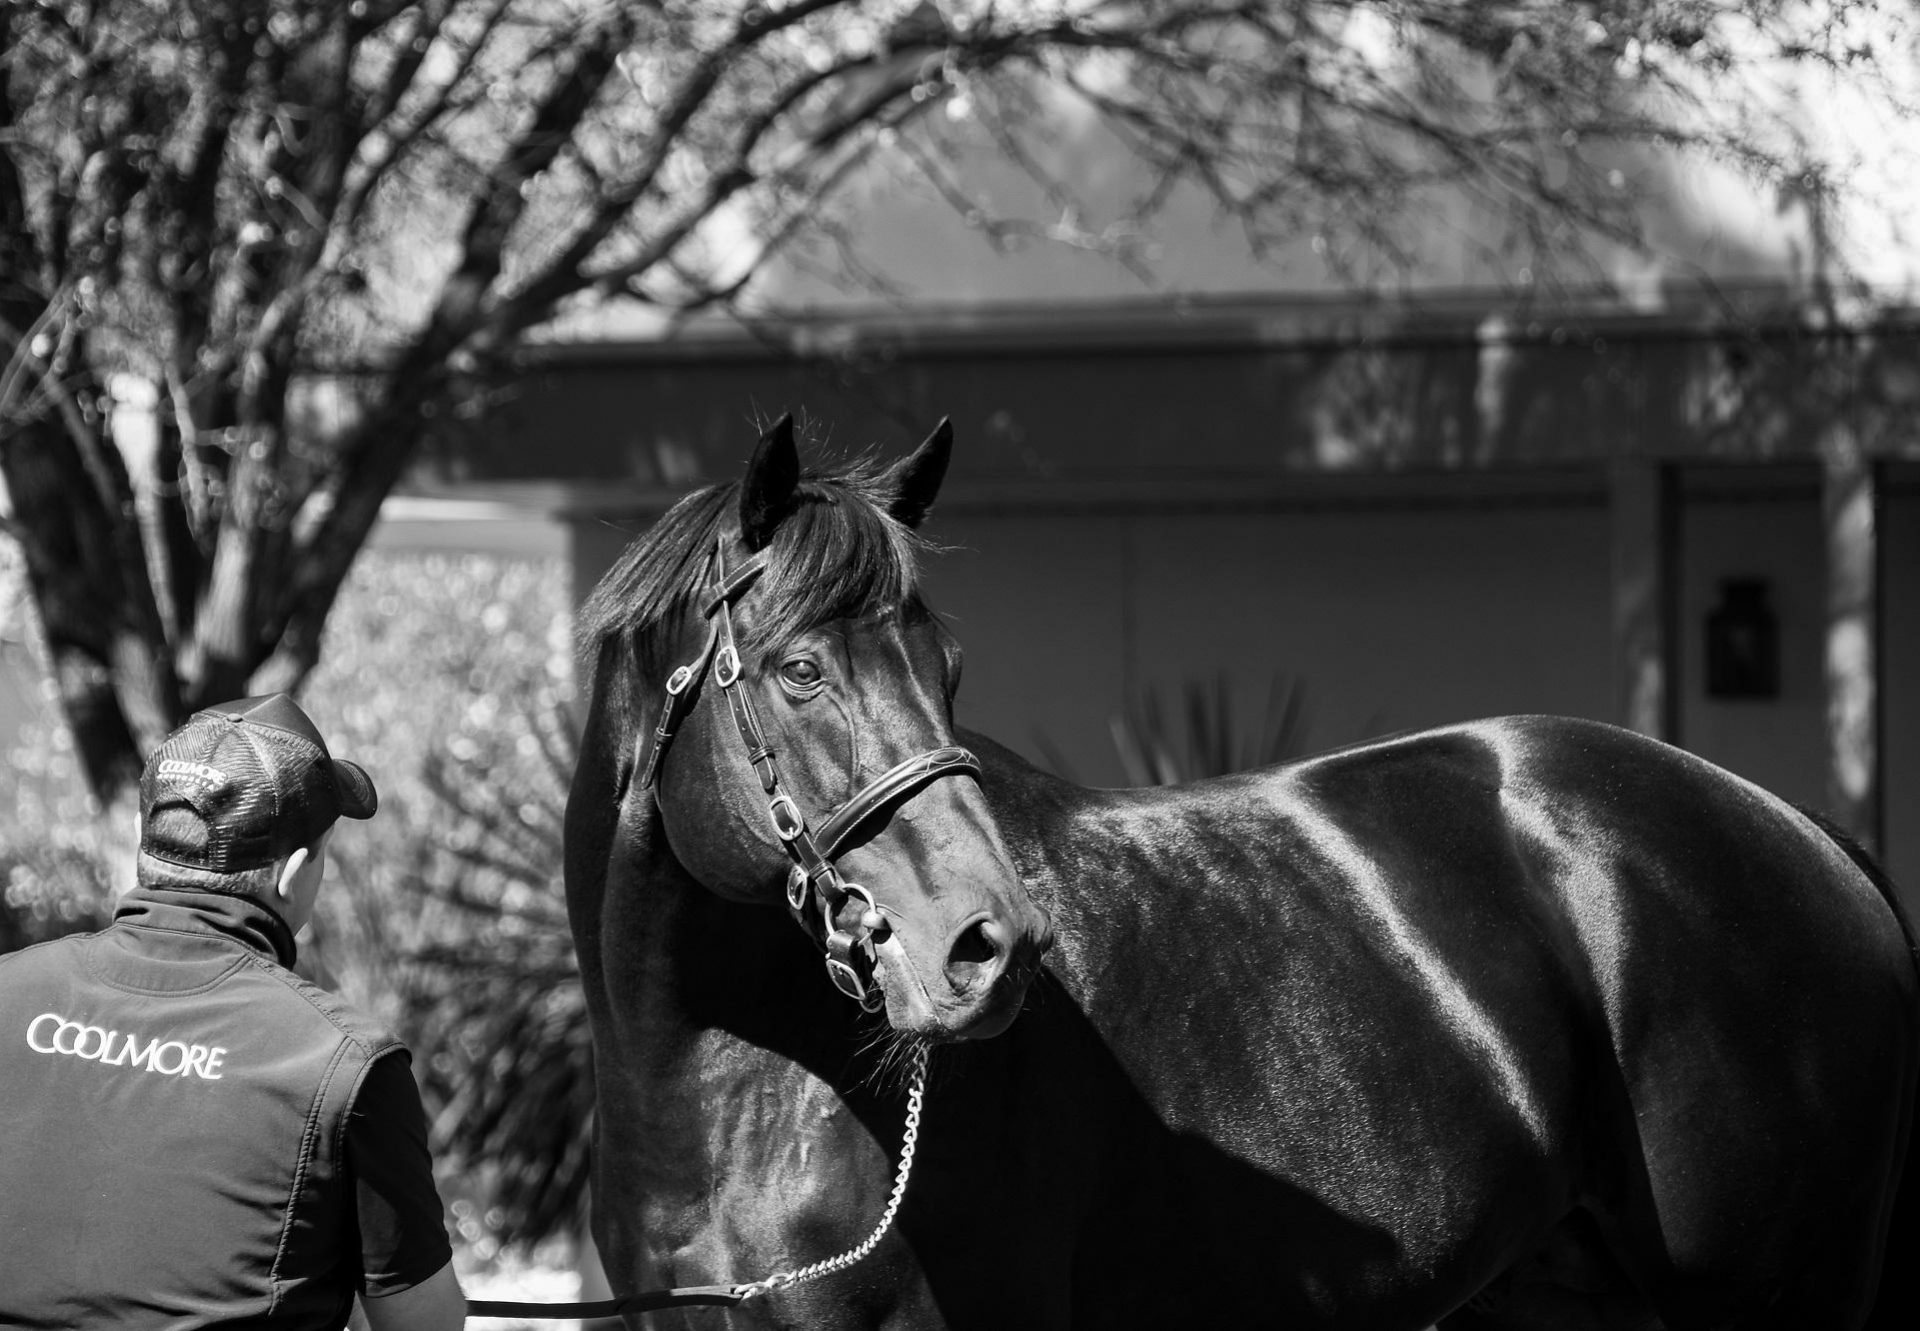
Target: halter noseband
[[849, 916]]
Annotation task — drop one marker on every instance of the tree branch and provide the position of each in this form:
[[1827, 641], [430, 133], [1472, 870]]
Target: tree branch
[[565, 273], [395, 142]]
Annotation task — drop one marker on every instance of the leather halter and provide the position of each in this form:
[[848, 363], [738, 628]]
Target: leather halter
[[849, 916]]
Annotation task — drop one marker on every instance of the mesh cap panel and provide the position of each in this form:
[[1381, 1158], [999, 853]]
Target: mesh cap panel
[[242, 785]]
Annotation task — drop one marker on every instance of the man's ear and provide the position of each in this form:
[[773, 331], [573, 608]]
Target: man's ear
[[291, 869]]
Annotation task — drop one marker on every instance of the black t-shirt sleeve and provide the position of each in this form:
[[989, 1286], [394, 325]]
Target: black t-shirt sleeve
[[403, 1234]]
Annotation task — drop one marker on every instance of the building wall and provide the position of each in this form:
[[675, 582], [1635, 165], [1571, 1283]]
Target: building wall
[[1191, 397], [1387, 618], [1781, 742]]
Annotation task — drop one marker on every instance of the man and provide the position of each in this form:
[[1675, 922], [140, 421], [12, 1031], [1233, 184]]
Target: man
[[190, 1134]]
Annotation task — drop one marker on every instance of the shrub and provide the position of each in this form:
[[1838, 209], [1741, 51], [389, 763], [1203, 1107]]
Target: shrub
[[1197, 734], [449, 678]]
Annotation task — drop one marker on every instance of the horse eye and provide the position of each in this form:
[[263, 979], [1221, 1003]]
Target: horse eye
[[800, 672]]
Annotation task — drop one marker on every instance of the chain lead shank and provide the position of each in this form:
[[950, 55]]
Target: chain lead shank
[[827, 1266]]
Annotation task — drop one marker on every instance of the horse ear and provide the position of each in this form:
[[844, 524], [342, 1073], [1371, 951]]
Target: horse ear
[[771, 491], [916, 478]]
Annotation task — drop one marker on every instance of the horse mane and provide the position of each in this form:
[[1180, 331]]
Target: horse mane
[[839, 555]]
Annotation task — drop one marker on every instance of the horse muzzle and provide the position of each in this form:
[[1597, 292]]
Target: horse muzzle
[[979, 985]]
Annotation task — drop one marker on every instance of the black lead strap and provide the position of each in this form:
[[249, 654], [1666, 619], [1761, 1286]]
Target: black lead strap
[[687, 1296]]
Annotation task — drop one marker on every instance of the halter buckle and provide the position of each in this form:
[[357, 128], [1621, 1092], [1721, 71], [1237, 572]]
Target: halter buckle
[[848, 982], [726, 666], [846, 979], [788, 822], [677, 682], [797, 881]]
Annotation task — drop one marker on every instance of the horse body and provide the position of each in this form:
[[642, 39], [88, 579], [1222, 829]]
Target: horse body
[[1532, 1012], [1477, 988]]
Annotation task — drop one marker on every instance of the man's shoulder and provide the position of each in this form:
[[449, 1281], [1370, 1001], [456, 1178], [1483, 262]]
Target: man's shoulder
[[301, 999], [52, 952]]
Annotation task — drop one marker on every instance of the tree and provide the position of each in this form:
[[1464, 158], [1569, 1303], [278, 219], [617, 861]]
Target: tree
[[318, 230]]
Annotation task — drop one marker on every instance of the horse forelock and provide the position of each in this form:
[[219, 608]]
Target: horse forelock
[[839, 555]]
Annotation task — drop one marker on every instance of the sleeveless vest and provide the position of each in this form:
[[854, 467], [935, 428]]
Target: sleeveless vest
[[173, 1103]]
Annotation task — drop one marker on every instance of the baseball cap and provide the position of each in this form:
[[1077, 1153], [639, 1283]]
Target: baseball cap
[[244, 783]]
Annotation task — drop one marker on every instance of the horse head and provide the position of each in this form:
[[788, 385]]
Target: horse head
[[794, 711]]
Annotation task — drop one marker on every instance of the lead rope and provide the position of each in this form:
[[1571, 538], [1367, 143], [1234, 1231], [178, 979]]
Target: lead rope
[[780, 1280], [729, 1295]]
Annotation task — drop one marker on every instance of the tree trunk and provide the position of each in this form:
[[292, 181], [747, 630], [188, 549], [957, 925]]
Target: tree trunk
[[61, 537]]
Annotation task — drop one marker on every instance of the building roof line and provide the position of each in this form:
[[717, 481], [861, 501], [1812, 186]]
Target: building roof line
[[1307, 323]]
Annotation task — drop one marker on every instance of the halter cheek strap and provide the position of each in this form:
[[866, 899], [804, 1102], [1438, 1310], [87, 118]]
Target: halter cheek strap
[[850, 918]]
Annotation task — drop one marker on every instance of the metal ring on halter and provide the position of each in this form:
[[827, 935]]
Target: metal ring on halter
[[677, 682], [726, 666], [863, 896]]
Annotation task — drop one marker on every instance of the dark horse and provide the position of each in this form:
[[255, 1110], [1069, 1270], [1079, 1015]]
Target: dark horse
[[1529, 1022]]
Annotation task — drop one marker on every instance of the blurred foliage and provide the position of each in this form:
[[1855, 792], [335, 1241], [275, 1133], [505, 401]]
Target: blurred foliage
[[448, 677], [1166, 736], [1164, 743]]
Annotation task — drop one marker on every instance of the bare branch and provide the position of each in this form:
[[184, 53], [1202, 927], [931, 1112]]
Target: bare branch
[[24, 363], [773, 235], [395, 141], [565, 272]]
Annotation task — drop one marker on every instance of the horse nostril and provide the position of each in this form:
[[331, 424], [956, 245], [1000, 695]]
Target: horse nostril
[[975, 945], [975, 950]]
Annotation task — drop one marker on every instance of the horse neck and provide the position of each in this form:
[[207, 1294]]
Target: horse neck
[[1101, 864], [703, 964]]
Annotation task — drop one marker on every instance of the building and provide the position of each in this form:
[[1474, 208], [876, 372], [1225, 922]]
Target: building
[[1424, 513]]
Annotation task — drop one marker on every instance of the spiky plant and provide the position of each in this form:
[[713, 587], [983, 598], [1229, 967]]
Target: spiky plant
[[1165, 743], [1164, 738], [499, 999], [450, 681]]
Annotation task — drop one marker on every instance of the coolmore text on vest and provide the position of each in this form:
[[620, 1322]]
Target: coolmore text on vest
[[51, 1033]]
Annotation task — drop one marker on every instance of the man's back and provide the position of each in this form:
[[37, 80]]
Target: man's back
[[174, 1127]]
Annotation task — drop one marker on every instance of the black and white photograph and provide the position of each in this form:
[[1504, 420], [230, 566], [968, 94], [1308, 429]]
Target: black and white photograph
[[960, 665]]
